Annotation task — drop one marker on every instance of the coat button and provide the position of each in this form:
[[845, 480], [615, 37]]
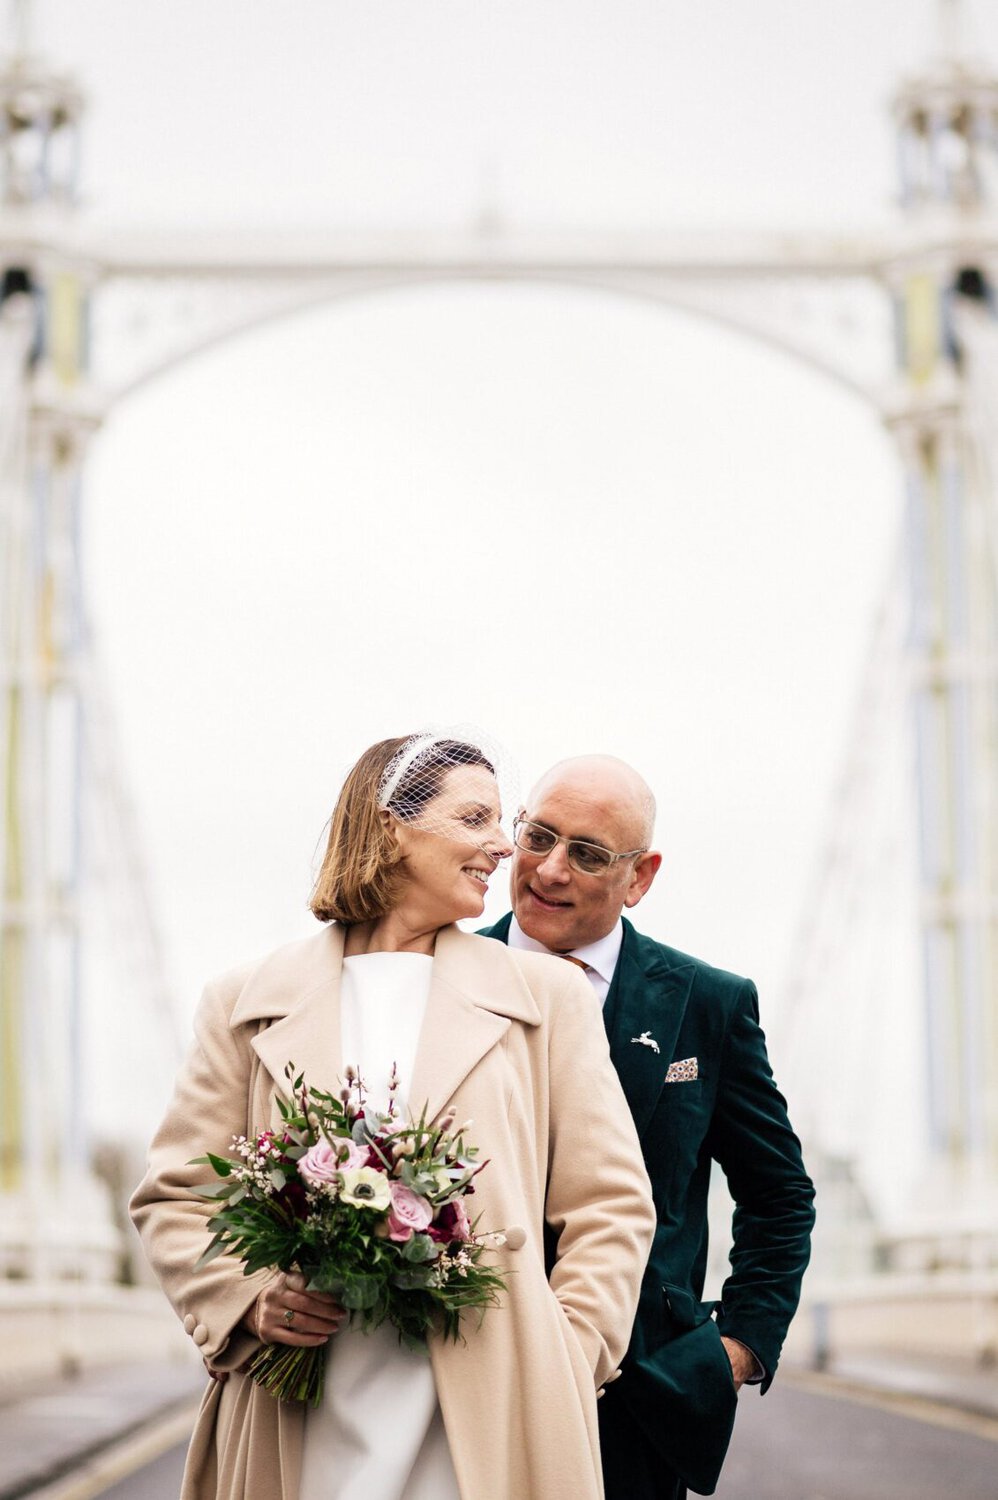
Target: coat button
[[200, 1335], [190, 1323], [516, 1237]]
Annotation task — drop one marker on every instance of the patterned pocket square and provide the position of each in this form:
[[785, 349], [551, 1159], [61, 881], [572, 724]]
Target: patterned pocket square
[[682, 1072]]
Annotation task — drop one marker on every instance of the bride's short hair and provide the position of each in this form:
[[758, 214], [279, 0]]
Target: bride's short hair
[[363, 869]]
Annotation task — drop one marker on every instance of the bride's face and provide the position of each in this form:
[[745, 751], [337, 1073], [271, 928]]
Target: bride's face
[[452, 848]]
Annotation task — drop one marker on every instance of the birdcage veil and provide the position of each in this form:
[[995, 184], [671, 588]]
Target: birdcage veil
[[417, 787]]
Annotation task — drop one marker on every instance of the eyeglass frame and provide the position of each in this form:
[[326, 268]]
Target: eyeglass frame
[[560, 838]]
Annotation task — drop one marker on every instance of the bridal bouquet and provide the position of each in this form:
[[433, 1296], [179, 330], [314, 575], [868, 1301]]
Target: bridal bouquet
[[369, 1208]]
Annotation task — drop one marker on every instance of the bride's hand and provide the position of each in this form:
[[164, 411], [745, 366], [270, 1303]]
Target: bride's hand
[[285, 1313]]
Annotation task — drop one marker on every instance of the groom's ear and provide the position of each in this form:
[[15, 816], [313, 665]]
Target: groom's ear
[[645, 870]]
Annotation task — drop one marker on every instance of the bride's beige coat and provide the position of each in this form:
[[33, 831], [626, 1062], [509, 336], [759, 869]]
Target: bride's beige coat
[[513, 1041]]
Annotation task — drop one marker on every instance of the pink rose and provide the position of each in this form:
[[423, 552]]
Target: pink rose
[[410, 1214], [355, 1157], [321, 1163]]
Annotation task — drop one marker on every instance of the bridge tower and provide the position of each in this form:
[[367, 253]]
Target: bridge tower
[[943, 284], [53, 1221]]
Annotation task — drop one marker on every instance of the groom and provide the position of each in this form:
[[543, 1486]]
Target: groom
[[686, 1042]]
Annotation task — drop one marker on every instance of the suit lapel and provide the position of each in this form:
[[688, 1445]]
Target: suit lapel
[[499, 930], [648, 994]]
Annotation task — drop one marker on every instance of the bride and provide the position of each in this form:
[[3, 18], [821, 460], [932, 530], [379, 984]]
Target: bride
[[512, 1040]]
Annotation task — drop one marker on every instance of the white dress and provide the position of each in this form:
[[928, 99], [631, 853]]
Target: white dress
[[378, 1434]]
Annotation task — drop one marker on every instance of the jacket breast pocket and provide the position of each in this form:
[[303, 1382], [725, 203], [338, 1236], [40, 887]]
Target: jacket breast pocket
[[684, 1091]]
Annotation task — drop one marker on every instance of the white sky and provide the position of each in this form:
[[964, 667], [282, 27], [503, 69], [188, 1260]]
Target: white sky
[[583, 522]]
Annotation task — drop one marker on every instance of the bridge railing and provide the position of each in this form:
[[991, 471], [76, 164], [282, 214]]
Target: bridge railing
[[948, 1314]]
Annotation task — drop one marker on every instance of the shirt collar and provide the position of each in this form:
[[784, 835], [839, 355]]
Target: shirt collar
[[600, 956]]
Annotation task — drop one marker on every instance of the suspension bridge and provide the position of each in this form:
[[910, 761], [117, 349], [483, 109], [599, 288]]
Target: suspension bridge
[[905, 318]]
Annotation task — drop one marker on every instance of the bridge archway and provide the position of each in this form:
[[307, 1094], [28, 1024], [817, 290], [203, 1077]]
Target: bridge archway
[[770, 311], [614, 341]]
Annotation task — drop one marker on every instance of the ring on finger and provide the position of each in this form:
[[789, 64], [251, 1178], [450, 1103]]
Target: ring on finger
[[289, 1316]]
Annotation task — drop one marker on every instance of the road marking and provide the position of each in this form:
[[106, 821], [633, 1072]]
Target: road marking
[[97, 1473], [903, 1403]]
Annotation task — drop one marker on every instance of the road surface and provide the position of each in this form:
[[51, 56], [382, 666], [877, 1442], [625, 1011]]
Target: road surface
[[795, 1443]]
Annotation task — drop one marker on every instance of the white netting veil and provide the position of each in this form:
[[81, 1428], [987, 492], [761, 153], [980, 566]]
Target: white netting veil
[[456, 782]]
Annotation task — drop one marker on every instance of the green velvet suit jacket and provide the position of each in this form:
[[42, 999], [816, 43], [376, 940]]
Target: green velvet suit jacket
[[676, 1385]]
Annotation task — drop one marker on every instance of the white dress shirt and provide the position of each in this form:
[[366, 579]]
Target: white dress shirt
[[600, 958]]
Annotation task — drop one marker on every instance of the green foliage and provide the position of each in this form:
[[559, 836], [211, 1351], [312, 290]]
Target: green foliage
[[420, 1247]]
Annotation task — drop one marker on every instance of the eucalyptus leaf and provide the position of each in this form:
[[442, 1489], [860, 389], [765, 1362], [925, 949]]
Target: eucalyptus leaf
[[360, 1292], [412, 1278], [216, 1248], [212, 1189], [328, 1281], [419, 1248]]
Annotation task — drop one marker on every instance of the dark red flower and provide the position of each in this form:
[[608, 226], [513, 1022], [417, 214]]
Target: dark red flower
[[292, 1197]]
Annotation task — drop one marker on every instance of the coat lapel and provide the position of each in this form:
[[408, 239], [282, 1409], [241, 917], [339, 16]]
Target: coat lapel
[[299, 994], [474, 995], [476, 990], [649, 994], [456, 1035]]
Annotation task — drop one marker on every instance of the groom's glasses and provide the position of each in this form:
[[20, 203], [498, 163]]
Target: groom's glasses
[[588, 859]]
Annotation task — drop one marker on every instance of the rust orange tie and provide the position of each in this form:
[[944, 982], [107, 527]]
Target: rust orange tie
[[571, 959]]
